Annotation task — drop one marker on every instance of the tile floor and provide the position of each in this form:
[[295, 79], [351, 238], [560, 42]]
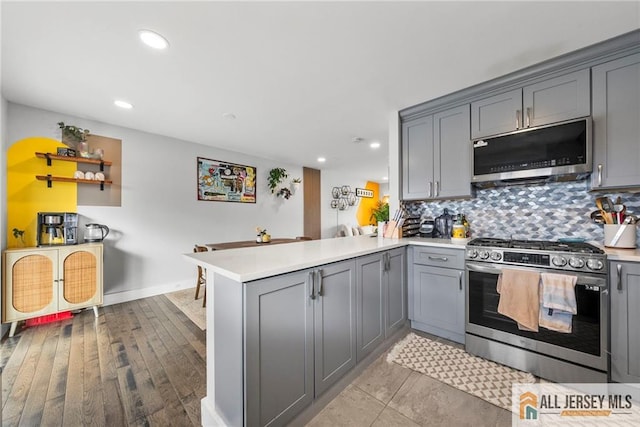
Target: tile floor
[[387, 394]]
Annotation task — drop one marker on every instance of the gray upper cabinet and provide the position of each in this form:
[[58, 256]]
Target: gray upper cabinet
[[417, 158], [496, 114], [335, 323], [625, 318], [452, 153], [550, 101], [436, 155], [616, 123]]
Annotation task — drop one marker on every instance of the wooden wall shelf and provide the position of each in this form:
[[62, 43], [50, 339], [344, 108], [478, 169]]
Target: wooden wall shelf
[[50, 178], [50, 156]]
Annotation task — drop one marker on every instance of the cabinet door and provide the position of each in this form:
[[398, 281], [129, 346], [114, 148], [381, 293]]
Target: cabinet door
[[616, 123], [496, 114], [452, 158], [279, 348], [438, 300], [80, 283], [562, 98], [370, 303], [30, 284], [335, 323], [417, 158], [625, 318], [396, 313]]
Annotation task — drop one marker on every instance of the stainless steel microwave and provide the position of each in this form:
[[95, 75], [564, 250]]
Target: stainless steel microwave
[[561, 149]]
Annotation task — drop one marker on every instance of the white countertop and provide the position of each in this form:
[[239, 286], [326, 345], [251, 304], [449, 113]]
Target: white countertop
[[246, 264]]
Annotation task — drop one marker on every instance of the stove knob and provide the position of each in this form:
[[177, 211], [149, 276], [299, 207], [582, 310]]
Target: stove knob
[[496, 256], [576, 262], [472, 253], [484, 254], [559, 261], [595, 264]]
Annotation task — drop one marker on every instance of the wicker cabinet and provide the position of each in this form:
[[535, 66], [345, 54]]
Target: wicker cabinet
[[41, 281]]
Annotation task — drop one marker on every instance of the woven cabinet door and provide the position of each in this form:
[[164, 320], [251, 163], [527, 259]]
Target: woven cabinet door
[[29, 288], [81, 274]]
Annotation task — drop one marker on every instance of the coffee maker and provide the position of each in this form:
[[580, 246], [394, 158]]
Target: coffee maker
[[57, 228]]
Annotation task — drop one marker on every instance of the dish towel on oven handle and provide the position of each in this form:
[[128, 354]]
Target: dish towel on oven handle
[[557, 301], [520, 297]]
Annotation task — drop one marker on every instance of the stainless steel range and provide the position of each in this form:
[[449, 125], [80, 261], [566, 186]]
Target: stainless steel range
[[578, 356]]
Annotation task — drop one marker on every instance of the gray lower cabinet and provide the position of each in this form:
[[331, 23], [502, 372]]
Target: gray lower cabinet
[[616, 123], [553, 100], [436, 154], [381, 298], [436, 286], [300, 339], [625, 317]]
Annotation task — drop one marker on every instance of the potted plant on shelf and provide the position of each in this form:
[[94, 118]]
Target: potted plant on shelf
[[276, 176]]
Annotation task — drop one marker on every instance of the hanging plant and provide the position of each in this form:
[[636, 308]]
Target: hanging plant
[[284, 192], [276, 176]]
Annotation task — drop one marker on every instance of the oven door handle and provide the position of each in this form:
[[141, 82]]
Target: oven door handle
[[483, 268]]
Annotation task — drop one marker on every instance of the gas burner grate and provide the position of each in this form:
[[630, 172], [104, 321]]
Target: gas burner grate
[[542, 245]]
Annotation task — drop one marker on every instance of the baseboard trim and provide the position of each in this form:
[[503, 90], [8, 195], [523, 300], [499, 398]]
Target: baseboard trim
[[125, 296]]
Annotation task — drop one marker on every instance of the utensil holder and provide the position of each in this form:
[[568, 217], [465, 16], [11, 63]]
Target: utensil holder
[[620, 236]]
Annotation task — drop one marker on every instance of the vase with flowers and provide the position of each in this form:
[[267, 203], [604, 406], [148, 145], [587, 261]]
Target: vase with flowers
[[263, 236]]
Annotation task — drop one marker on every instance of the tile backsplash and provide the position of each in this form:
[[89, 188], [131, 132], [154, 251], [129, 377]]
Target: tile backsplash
[[544, 212]]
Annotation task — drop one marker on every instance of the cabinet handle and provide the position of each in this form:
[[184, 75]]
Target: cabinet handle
[[387, 262], [437, 188], [619, 268], [528, 116], [438, 258], [599, 175], [517, 119], [320, 287], [460, 279], [312, 284], [430, 189]]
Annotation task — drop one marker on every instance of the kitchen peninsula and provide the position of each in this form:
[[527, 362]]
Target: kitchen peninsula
[[285, 323]]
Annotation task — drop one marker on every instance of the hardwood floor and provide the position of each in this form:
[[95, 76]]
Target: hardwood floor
[[140, 363]]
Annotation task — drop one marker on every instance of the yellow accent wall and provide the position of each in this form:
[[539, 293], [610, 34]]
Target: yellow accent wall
[[366, 205], [27, 196]]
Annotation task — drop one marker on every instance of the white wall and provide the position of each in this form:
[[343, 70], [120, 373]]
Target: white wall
[[331, 217], [160, 217]]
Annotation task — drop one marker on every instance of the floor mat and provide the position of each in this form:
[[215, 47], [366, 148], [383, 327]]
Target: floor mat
[[451, 365], [191, 307]]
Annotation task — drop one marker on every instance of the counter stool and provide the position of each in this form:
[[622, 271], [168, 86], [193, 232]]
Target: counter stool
[[202, 276]]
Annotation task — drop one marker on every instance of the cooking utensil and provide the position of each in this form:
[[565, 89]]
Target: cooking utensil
[[597, 217], [605, 205]]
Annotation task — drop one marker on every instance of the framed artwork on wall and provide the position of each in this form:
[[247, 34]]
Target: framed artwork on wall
[[226, 182]]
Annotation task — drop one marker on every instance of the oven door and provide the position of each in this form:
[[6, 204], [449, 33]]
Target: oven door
[[587, 343]]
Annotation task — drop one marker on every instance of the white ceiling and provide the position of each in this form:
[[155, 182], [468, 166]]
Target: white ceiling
[[303, 78]]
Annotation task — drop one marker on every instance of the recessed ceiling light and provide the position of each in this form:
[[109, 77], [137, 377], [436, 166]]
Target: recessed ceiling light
[[374, 145], [123, 104], [153, 39], [322, 159], [229, 116]]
